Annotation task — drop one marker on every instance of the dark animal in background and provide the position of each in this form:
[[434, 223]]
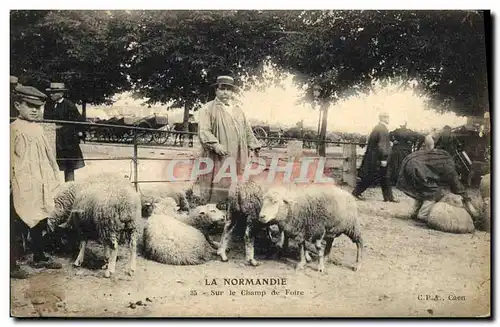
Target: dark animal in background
[[178, 128]]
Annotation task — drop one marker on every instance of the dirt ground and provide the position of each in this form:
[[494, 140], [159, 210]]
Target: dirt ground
[[408, 270]]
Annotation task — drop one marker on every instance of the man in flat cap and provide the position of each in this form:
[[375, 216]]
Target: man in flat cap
[[34, 178], [67, 136], [374, 165]]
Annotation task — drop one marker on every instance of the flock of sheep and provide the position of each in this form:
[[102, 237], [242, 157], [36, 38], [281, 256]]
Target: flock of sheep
[[178, 231]]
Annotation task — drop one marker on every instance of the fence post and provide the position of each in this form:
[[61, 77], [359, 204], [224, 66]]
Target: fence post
[[349, 157], [135, 161]]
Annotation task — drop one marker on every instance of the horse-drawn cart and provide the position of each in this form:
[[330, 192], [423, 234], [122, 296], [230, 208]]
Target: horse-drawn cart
[[126, 135]]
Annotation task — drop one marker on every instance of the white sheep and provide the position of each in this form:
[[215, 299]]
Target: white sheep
[[178, 192], [105, 208], [317, 214], [182, 239], [244, 204]]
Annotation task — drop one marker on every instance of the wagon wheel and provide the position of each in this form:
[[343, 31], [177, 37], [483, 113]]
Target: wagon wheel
[[260, 134], [105, 135], [162, 135], [110, 135], [128, 136], [144, 137], [114, 135], [272, 142], [92, 134]]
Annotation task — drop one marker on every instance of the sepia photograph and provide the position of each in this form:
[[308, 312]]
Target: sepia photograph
[[250, 163]]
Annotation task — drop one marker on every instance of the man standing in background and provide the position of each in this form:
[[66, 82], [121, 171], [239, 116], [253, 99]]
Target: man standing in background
[[67, 136], [374, 165]]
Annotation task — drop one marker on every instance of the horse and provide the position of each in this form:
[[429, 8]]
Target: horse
[[178, 128]]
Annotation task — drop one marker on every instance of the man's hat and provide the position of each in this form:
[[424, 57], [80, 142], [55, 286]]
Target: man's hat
[[225, 80], [14, 80], [56, 87], [30, 94]]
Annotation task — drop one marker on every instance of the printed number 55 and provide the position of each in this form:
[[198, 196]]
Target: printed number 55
[[193, 292]]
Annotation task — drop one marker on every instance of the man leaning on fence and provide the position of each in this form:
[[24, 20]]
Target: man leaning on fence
[[34, 179], [67, 136], [225, 134]]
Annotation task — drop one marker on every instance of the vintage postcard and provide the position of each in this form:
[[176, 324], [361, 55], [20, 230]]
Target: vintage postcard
[[250, 163]]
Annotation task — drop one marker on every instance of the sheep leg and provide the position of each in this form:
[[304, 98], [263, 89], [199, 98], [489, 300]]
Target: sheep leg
[[106, 257], [308, 256], [328, 246], [226, 235], [249, 242], [133, 255], [320, 246], [212, 243], [79, 258], [302, 262], [359, 254], [112, 258]]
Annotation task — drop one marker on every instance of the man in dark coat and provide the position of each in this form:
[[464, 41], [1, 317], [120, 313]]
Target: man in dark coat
[[425, 175], [67, 136], [402, 139], [374, 165]]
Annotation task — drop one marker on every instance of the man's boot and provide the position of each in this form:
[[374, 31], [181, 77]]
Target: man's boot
[[40, 260]]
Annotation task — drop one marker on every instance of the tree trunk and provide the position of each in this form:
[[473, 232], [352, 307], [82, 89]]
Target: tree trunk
[[324, 123], [84, 110], [185, 122]]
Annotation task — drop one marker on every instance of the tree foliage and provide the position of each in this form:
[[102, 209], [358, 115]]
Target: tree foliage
[[178, 54], [84, 49], [174, 56], [345, 50]]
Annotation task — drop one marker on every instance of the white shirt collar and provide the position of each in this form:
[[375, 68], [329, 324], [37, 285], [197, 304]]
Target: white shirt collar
[[60, 100]]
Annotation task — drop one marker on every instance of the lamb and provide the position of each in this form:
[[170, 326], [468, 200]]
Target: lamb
[[317, 214], [182, 239], [244, 204], [104, 208], [175, 191]]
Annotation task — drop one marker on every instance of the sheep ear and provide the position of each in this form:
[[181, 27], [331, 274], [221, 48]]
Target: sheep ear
[[288, 201], [202, 212]]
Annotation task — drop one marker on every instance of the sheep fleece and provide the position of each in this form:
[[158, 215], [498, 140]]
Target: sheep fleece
[[316, 208], [448, 218], [170, 241], [108, 209]]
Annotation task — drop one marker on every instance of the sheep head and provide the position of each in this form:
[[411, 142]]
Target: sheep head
[[276, 205], [208, 216]]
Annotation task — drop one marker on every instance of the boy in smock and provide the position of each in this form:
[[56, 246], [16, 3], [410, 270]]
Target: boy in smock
[[34, 179]]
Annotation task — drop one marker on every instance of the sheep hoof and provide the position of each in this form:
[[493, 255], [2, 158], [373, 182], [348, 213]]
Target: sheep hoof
[[107, 274], [223, 256], [308, 257], [300, 266], [253, 262], [77, 263], [131, 272], [321, 269], [355, 268], [105, 266]]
